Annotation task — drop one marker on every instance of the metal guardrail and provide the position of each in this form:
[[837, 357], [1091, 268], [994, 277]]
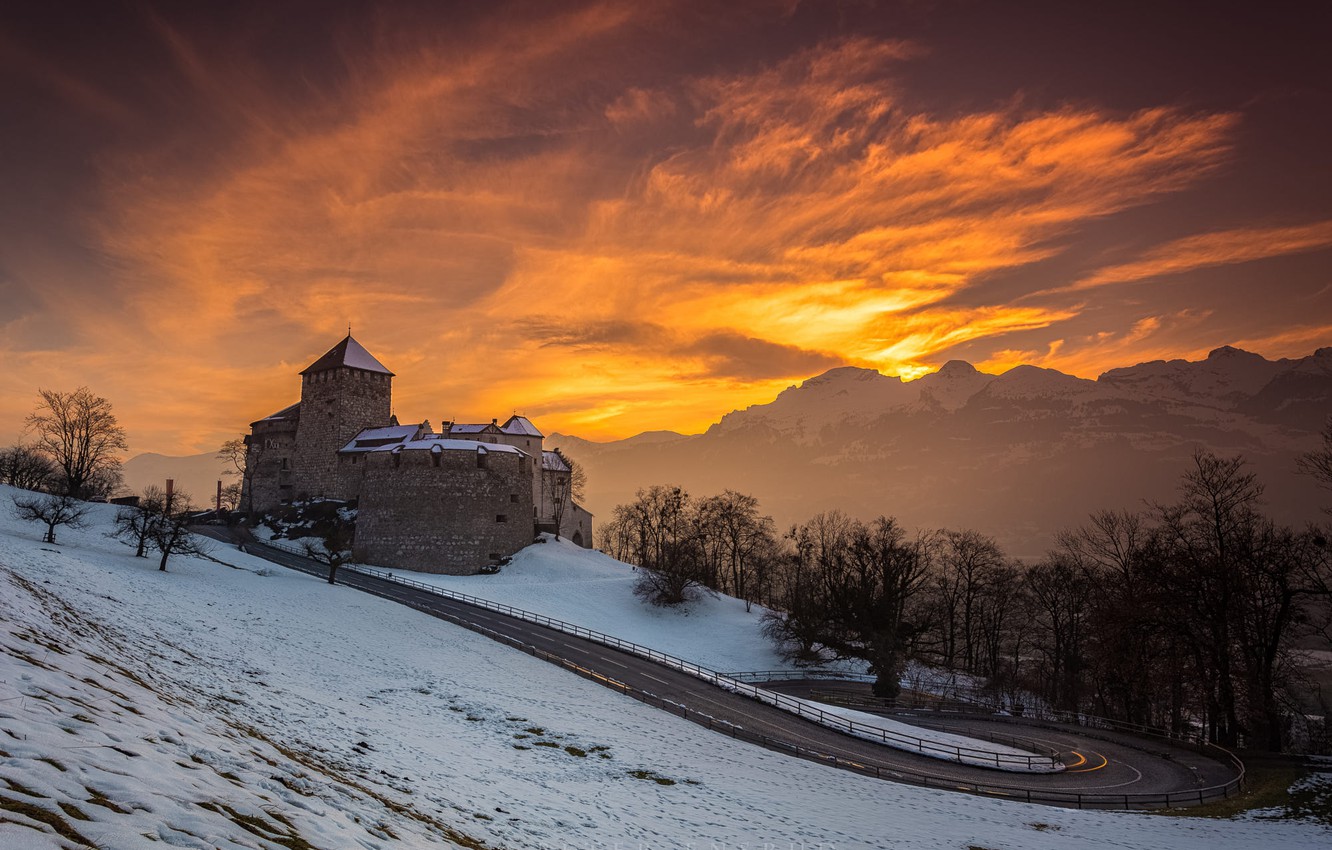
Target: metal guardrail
[[798, 675], [1035, 716], [1057, 798], [1044, 762]]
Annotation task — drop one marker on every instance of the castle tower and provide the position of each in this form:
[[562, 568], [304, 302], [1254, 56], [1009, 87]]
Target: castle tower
[[343, 392]]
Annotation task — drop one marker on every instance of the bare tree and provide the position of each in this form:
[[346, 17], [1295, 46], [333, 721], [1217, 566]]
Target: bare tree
[[559, 498], [848, 589], [231, 496], [1060, 589], [666, 547], [170, 532], [333, 549], [967, 563], [743, 539], [577, 478], [53, 510], [1318, 462], [81, 436], [135, 523], [565, 489], [242, 461], [25, 468]]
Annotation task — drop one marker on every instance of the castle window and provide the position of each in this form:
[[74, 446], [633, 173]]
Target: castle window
[[501, 517], [513, 497], [435, 457], [480, 458], [286, 463]]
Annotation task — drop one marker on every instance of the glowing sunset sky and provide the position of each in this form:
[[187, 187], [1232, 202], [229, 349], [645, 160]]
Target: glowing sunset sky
[[622, 216]]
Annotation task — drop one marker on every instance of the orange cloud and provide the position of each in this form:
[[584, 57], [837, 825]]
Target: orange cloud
[[1207, 250], [502, 239]]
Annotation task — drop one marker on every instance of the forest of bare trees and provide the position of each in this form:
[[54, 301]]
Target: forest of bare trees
[[1185, 615]]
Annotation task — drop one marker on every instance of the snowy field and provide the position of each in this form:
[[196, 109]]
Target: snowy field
[[586, 588], [234, 705]]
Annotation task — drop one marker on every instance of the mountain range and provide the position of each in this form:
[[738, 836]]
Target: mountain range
[[1017, 455]]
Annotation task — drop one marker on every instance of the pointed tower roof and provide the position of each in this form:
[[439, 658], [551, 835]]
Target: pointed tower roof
[[348, 354]]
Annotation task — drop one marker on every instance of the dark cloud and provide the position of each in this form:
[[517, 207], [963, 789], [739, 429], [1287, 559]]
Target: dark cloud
[[733, 355], [600, 335]]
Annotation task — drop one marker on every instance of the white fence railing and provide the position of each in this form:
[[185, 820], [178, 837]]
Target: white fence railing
[[979, 756]]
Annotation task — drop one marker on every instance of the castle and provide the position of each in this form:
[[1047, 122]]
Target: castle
[[447, 502]]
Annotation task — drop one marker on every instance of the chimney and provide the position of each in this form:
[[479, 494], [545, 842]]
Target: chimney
[[171, 486], [219, 497]]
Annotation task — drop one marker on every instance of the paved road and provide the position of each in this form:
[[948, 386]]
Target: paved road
[[1118, 759], [1101, 771]]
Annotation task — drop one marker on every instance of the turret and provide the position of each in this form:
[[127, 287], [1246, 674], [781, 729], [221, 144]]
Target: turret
[[342, 393]]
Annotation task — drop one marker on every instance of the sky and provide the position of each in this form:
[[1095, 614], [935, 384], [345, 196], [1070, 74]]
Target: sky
[[624, 216]]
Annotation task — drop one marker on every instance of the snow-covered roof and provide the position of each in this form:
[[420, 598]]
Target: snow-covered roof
[[553, 462], [462, 428], [521, 426], [285, 413], [434, 442], [372, 438], [350, 354]]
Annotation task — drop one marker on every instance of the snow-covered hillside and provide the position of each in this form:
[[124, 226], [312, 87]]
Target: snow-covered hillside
[[231, 704], [576, 585]]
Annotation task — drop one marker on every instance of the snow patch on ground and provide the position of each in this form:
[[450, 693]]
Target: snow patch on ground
[[209, 696], [582, 586]]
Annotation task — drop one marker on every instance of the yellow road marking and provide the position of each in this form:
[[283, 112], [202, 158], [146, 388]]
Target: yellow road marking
[[1104, 762]]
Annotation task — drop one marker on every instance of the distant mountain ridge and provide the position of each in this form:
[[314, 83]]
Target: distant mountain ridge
[[1017, 455], [196, 475]]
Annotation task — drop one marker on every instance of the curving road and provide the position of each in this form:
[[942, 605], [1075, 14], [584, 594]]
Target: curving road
[[1100, 772]]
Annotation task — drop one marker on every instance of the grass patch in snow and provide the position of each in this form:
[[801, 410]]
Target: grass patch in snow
[[331, 772], [1273, 791], [283, 835], [649, 776], [34, 812], [97, 798]]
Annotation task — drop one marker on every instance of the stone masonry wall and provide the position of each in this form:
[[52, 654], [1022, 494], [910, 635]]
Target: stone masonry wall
[[533, 447], [440, 512], [270, 453], [336, 405]]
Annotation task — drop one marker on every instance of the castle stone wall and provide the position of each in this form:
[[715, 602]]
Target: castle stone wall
[[270, 453], [441, 512], [336, 405]]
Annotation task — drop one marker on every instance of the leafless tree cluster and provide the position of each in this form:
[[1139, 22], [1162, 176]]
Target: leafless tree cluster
[[79, 435], [26, 468], [333, 547], [242, 462], [1183, 615], [51, 510], [848, 588], [684, 545], [160, 521], [566, 489]]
